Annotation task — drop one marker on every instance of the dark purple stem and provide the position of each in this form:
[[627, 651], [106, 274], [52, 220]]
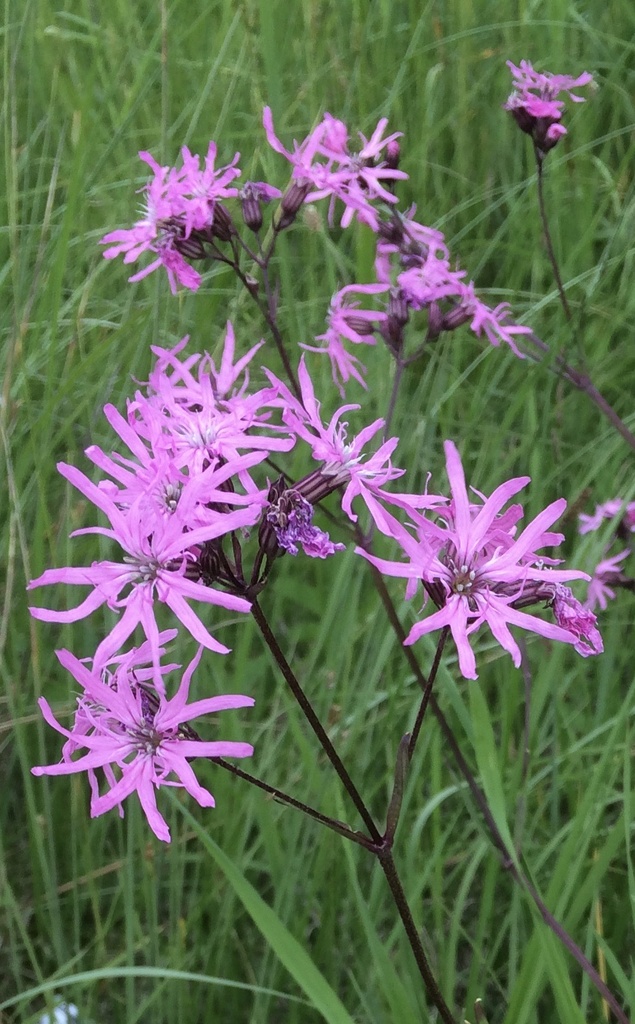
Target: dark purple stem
[[427, 691], [314, 722], [483, 806], [388, 867], [545, 227], [583, 382], [337, 826]]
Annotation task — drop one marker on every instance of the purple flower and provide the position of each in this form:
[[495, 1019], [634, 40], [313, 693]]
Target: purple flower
[[291, 518], [344, 462], [325, 162], [137, 735], [534, 105], [179, 202], [160, 563], [477, 571]]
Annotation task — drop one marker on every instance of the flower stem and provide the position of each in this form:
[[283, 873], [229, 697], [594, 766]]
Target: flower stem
[[268, 313], [481, 801], [545, 227], [427, 691], [314, 722], [432, 988], [337, 826], [583, 383]]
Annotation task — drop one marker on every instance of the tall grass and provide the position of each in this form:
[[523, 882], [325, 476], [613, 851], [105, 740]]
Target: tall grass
[[99, 912]]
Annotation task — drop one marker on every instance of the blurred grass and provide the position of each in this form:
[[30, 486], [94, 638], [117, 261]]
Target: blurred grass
[[85, 87]]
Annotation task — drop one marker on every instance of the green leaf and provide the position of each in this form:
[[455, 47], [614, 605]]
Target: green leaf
[[488, 766], [285, 946]]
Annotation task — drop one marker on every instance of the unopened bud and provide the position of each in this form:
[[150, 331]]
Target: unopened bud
[[456, 318], [391, 230], [222, 225], [291, 202], [398, 306], [435, 321], [252, 212], [393, 155]]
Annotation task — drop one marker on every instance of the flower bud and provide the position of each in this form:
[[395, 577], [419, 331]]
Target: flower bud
[[222, 226], [291, 202]]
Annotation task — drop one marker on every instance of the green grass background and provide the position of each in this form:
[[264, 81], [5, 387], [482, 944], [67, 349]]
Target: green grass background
[[130, 929]]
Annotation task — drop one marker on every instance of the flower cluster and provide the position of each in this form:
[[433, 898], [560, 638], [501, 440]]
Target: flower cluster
[[414, 273], [609, 572], [180, 503], [185, 485], [324, 166], [190, 509], [187, 219], [534, 105]]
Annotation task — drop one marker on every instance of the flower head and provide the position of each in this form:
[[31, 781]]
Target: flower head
[[534, 105], [347, 321], [137, 735], [326, 162], [477, 571], [160, 563], [179, 204], [345, 463]]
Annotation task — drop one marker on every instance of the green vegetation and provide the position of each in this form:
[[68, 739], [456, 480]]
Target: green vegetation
[[98, 911]]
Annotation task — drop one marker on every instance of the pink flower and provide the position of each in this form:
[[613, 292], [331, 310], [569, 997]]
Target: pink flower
[[606, 574], [137, 735], [477, 571], [325, 161], [428, 281], [534, 106], [160, 563], [207, 415], [179, 202], [346, 320], [609, 510], [344, 462]]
